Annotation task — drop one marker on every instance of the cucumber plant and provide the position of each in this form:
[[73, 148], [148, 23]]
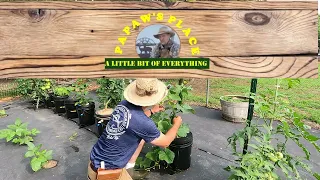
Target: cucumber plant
[[174, 104]]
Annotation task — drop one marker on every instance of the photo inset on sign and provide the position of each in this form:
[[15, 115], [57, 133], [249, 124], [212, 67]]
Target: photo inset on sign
[[158, 41]]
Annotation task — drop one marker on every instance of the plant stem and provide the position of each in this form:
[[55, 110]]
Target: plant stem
[[37, 106], [275, 102]]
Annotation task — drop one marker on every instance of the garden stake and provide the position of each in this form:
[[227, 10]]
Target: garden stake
[[253, 89]]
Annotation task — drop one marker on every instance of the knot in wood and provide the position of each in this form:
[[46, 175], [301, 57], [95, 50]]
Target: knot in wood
[[36, 14], [256, 18]]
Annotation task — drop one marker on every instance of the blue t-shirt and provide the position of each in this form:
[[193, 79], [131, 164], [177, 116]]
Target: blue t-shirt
[[127, 126]]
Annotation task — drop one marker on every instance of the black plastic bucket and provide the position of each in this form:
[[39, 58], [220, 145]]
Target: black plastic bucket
[[101, 123], [86, 114], [49, 102], [71, 109], [182, 149], [59, 104]]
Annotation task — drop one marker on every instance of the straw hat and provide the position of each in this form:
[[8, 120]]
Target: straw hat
[[163, 30], [145, 92]]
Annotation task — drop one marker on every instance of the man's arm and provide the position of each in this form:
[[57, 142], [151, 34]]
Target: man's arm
[[165, 139]]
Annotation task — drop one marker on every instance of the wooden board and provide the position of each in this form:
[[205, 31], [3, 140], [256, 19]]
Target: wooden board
[[93, 67], [218, 33], [100, 5], [242, 39]]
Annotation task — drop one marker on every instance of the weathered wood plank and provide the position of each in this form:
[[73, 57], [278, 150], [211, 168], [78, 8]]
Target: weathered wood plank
[[218, 32], [93, 67], [310, 5], [245, 5]]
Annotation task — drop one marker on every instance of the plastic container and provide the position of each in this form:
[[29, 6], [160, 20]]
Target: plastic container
[[182, 149], [59, 104], [71, 109]]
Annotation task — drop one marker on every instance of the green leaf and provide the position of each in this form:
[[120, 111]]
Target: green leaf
[[37, 148], [4, 133], [311, 138], [183, 130], [29, 154], [286, 128], [31, 146], [174, 97], [317, 176], [152, 156], [187, 109], [2, 112], [18, 122], [12, 127], [316, 146], [10, 137], [34, 131], [16, 140], [164, 126], [166, 155], [253, 146], [146, 163], [24, 125], [35, 164], [26, 139], [19, 131], [307, 153], [42, 159], [48, 155], [241, 141], [283, 168]]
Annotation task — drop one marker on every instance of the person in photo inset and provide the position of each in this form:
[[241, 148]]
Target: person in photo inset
[[166, 48]]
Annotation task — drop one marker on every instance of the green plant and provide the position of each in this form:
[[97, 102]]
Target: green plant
[[38, 157], [81, 90], [110, 90], [174, 104], [235, 99], [62, 91], [24, 87], [268, 151], [18, 133], [3, 113]]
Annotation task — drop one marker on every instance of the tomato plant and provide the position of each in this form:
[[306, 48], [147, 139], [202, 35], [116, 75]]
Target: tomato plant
[[268, 144]]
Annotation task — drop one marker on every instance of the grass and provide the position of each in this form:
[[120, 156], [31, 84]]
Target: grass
[[304, 98]]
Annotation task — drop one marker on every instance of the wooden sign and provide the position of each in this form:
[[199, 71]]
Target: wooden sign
[[242, 39]]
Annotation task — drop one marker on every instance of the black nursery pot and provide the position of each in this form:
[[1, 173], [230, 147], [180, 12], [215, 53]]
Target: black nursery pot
[[49, 102], [86, 114], [59, 104], [101, 123], [182, 149], [71, 109]]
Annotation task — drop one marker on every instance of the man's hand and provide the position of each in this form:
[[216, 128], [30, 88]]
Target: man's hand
[[157, 108], [177, 120]]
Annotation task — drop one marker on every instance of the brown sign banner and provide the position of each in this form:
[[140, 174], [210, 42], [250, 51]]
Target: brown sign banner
[[241, 39]]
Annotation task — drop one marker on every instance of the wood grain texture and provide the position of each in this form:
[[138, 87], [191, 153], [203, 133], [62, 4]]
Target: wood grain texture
[[310, 5], [218, 32], [223, 67]]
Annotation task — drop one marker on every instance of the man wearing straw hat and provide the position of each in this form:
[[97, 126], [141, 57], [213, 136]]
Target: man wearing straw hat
[[166, 48], [128, 129]]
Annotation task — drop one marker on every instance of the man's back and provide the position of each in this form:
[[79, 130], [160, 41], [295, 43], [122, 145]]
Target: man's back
[[127, 126]]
